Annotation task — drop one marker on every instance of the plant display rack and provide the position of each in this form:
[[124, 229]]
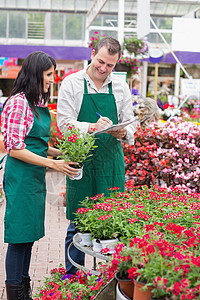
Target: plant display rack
[[86, 250]]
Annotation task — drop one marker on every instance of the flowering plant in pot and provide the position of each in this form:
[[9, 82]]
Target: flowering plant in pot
[[83, 220], [95, 38], [135, 45], [76, 146], [104, 218], [102, 226], [84, 217], [103, 215], [128, 64], [168, 268], [170, 110]]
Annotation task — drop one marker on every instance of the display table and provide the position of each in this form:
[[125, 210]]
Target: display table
[[86, 250]]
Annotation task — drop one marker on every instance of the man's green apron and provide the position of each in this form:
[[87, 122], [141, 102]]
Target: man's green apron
[[106, 167], [25, 186]]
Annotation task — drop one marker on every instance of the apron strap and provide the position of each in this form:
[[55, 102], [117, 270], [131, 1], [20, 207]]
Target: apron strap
[[110, 88], [1, 161], [86, 89]]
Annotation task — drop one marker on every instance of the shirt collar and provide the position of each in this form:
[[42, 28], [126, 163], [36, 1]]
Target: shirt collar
[[90, 82]]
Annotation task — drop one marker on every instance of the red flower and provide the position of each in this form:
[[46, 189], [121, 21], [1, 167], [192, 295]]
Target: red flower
[[166, 105]]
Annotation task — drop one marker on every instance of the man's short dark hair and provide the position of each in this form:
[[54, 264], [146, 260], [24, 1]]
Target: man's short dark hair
[[112, 45]]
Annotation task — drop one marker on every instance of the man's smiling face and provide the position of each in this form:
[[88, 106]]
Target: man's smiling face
[[102, 64]]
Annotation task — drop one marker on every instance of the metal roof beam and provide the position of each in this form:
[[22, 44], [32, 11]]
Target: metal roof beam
[[94, 11]]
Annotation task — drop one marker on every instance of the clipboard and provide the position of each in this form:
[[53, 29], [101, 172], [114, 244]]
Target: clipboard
[[115, 127]]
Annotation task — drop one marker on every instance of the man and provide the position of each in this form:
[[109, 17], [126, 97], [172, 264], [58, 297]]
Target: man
[[83, 96]]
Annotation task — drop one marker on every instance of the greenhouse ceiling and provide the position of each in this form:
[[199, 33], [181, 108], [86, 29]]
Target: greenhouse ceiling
[[158, 7]]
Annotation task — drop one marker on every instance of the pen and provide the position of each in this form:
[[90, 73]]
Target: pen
[[98, 114]]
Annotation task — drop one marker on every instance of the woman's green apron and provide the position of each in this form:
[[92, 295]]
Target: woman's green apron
[[25, 186], [105, 168]]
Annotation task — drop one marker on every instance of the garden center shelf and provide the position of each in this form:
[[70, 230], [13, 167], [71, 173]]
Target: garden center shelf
[[86, 250]]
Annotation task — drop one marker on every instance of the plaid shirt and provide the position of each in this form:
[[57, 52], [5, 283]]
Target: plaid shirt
[[16, 122]]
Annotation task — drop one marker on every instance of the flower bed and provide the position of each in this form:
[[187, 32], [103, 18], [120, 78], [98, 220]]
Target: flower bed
[[124, 215], [55, 133], [167, 154], [159, 228], [161, 231], [80, 286], [170, 269]]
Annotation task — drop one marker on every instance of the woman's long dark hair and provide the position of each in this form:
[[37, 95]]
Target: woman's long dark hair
[[30, 78]]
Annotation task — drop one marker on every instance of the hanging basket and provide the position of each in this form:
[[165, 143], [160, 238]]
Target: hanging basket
[[132, 48], [122, 68]]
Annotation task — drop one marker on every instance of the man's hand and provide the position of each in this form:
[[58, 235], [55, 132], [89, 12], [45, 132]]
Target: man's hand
[[101, 124], [118, 134]]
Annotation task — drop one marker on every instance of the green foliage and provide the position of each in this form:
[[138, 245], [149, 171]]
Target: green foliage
[[125, 215], [138, 46], [76, 146]]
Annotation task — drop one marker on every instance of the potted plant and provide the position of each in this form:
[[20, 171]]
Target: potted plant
[[76, 146], [122, 261], [95, 38], [135, 45], [102, 227], [159, 267], [169, 110], [83, 226], [128, 64], [103, 219]]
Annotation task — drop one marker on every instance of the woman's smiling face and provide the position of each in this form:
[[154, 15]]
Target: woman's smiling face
[[48, 78]]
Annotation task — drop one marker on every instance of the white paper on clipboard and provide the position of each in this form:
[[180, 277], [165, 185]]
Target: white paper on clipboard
[[116, 127]]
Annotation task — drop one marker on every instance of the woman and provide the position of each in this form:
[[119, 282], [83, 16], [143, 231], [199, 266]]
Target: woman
[[26, 129]]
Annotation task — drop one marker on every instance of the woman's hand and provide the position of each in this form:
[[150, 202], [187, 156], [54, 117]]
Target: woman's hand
[[64, 167], [53, 152], [32, 158]]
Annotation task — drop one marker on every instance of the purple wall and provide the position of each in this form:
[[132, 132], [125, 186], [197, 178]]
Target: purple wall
[[22, 51], [183, 56]]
